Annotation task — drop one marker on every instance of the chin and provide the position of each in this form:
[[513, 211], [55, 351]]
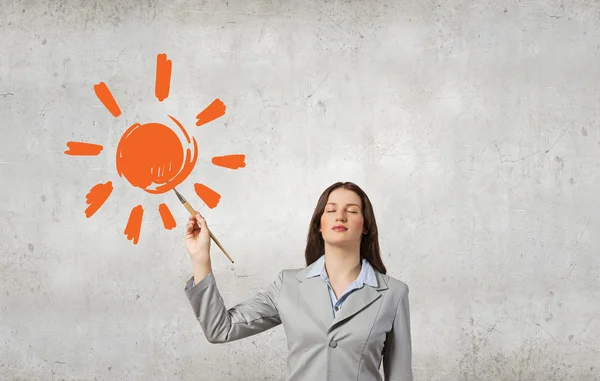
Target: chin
[[340, 242]]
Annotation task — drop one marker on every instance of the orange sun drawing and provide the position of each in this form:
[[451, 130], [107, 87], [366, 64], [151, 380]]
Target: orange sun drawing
[[152, 156]]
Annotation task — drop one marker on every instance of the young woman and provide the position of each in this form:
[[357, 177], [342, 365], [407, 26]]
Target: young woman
[[342, 315]]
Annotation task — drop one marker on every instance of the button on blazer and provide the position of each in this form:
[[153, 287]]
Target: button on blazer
[[372, 327]]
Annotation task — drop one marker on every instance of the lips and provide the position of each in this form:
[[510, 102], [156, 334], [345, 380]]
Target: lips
[[339, 229]]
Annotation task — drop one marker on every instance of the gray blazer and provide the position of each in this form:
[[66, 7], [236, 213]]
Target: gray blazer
[[374, 324]]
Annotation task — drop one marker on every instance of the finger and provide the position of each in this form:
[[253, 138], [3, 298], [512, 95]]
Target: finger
[[190, 227], [202, 225], [200, 219]]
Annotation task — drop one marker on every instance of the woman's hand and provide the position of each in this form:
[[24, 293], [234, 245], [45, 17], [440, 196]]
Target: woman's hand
[[197, 241]]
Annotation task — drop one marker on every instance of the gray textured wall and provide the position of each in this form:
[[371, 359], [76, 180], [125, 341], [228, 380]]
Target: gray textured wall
[[472, 125]]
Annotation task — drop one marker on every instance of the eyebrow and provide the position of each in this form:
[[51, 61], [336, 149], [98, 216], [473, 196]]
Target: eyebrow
[[333, 203]]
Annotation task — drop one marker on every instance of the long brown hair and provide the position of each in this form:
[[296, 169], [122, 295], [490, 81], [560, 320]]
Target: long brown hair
[[369, 243]]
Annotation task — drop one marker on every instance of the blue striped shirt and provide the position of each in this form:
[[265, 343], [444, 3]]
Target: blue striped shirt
[[366, 276]]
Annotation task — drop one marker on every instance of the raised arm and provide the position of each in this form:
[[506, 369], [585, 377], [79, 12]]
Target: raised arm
[[397, 353], [222, 325]]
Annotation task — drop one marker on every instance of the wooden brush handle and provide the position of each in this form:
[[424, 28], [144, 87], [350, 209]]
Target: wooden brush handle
[[193, 213], [190, 209]]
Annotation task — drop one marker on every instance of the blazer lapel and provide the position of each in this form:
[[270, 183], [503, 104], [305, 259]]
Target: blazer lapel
[[359, 300], [315, 293]]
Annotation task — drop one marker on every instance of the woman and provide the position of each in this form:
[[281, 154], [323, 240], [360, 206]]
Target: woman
[[342, 315]]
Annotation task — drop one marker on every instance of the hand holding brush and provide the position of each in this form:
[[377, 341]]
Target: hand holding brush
[[197, 240]]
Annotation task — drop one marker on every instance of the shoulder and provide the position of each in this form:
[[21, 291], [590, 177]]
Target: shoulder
[[395, 285], [292, 274], [397, 292], [292, 271]]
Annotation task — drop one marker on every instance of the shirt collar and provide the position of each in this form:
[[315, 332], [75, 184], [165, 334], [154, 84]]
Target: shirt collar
[[366, 275]]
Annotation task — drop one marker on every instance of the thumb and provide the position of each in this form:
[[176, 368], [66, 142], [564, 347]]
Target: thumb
[[201, 220]]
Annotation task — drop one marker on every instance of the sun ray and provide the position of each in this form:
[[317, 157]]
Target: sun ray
[[167, 217], [214, 110], [209, 196], [163, 77], [97, 196], [83, 149], [230, 161], [134, 224], [107, 99]]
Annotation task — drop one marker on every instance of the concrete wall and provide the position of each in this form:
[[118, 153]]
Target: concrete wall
[[472, 125]]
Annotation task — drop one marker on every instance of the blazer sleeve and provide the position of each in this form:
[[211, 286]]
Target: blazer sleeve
[[397, 352], [247, 318]]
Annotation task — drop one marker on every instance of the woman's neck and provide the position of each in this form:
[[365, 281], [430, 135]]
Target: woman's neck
[[342, 264]]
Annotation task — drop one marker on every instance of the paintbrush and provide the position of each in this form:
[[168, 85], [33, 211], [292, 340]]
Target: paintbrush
[[193, 213]]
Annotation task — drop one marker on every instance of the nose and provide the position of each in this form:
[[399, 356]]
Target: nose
[[340, 216]]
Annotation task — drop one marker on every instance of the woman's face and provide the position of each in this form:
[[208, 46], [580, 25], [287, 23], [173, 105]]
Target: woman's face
[[342, 221]]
